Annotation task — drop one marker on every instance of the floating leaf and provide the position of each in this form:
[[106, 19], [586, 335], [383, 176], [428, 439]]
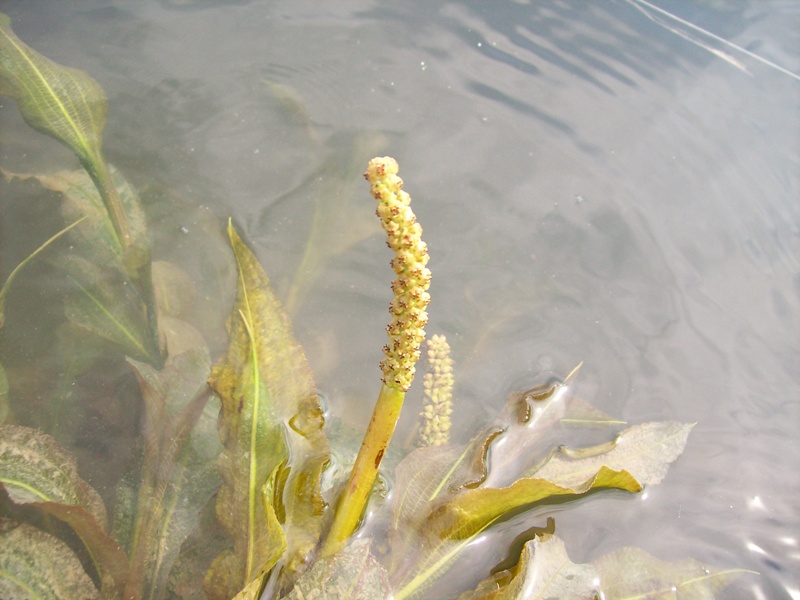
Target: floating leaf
[[353, 573], [268, 395], [34, 564], [178, 472], [36, 471], [633, 574], [104, 302], [66, 104], [473, 511], [645, 451], [544, 571]]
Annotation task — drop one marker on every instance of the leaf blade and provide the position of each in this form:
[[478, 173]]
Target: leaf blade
[[34, 564]]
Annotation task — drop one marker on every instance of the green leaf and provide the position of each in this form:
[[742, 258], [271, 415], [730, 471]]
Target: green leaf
[[66, 104], [36, 471], [544, 571], [34, 564], [104, 302], [645, 451], [353, 573], [179, 472], [268, 396], [633, 574]]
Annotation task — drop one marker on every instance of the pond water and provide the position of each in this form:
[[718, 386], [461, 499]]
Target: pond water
[[614, 183]]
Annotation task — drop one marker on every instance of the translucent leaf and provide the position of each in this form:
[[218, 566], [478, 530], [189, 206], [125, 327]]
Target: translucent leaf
[[544, 572], [7, 284], [337, 223], [104, 302], [5, 407], [179, 473], [268, 396], [353, 573], [36, 471], [94, 238], [645, 451], [66, 104], [633, 574], [34, 564]]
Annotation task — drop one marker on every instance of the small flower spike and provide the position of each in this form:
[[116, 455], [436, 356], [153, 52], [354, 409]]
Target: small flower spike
[[438, 394]]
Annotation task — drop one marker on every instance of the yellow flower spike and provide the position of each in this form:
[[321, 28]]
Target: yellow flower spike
[[438, 394], [406, 333]]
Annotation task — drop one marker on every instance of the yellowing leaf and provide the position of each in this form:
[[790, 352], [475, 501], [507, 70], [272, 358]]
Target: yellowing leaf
[[633, 574], [473, 511], [36, 471], [34, 564], [268, 396], [66, 104]]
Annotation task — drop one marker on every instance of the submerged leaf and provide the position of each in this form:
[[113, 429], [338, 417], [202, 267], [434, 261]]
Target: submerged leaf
[[95, 238], [337, 222], [544, 571], [34, 564], [104, 302], [7, 284], [268, 396], [178, 471], [36, 471], [630, 573], [66, 104], [353, 573], [5, 407]]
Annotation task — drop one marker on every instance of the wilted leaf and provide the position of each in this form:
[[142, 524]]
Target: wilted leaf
[[34, 564], [631, 573], [66, 104], [544, 572], [268, 395], [179, 472], [353, 573], [36, 471], [104, 302], [645, 451]]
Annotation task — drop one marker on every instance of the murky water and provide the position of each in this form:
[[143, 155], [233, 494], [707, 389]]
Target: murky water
[[602, 183]]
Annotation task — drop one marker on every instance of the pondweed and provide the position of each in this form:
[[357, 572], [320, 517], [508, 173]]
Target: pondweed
[[232, 494]]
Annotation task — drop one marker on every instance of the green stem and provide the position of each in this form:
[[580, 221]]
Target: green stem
[[354, 498]]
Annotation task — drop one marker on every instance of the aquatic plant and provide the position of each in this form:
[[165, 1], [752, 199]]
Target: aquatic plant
[[234, 495]]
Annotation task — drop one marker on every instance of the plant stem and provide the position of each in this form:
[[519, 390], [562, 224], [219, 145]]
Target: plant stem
[[354, 498]]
